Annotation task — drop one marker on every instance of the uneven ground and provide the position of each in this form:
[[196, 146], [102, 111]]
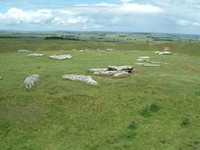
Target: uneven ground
[[60, 114]]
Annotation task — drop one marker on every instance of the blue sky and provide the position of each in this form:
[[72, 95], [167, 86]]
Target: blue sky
[[168, 16]]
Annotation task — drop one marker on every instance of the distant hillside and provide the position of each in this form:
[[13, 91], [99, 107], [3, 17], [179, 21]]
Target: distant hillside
[[127, 37]]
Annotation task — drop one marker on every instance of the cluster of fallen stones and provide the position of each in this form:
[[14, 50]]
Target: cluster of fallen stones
[[58, 57], [115, 71], [146, 63]]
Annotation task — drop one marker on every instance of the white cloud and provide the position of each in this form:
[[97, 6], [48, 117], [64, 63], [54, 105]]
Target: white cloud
[[138, 8], [195, 23], [125, 15], [183, 22], [126, 1], [188, 23], [96, 5], [58, 21], [17, 16], [77, 20]]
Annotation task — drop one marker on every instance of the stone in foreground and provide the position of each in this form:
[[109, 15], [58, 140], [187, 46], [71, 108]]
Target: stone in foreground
[[35, 54], [60, 57], [83, 78], [23, 50], [32, 80]]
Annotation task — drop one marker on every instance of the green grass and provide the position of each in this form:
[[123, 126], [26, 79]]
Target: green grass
[[59, 114]]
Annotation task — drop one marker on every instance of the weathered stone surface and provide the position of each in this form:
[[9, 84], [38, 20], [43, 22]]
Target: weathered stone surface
[[147, 64], [98, 70], [159, 62], [110, 49], [112, 70], [60, 57], [163, 53], [30, 81], [120, 68], [119, 73], [23, 50], [35, 54], [143, 58], [83, 78]]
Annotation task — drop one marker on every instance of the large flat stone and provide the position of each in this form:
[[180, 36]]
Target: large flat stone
[[147, 65], [120, 68], [112, 70], [83, 78], [163, 53], [23, 50], [60, 57], [35, 54]]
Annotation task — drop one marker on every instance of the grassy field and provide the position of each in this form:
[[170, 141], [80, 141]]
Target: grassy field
[[154, 108]]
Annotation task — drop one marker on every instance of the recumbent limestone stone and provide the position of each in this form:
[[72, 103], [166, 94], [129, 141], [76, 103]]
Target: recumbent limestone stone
[[112, 70], [35, 54], [60, 57], [32, 80], [23, 50], [83, 78]]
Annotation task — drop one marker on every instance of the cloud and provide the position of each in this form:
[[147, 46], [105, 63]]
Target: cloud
[[77, 20], [138, 8], [17, 16], [126, 1], [183, 22], [97, 5], [27, 4], [188, 23], [123, 15]]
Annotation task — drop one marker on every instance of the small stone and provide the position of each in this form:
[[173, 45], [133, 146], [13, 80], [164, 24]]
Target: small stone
[[23, 50], [60, 57], [83, 78], [32, 80], [111, 49], [35, 54], [163, 53], [147, 64], [159, 62], [143, 58]]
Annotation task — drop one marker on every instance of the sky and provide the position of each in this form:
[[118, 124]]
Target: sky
[[161, 16]]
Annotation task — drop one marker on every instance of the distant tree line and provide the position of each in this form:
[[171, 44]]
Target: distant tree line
[[61, 38], [162, 39], [2, 37]]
